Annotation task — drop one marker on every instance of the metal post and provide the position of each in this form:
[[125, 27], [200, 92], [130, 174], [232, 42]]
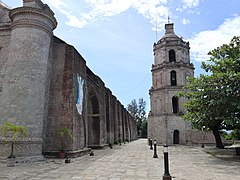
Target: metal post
[[155, 149], [151, 144], [166, 175], [149, 141]]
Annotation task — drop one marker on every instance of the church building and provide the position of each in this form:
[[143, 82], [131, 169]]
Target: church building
[[46, 85], [170, 73]]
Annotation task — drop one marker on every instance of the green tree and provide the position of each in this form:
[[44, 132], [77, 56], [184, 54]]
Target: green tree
[[138, 111], [214, 99], [144, 126], [224, 65], [133, 109], [13, 131], [65, 135], [235, 134]]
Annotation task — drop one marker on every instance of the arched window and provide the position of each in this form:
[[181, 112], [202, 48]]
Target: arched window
[[175, 104], [172, 57], [173, 75]]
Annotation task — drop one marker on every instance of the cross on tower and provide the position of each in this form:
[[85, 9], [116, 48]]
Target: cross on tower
[[168, 20]]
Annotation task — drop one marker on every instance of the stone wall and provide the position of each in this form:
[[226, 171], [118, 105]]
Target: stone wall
[[25, 69], [59, 106], [46, 85], [102, 120], [200, 137]]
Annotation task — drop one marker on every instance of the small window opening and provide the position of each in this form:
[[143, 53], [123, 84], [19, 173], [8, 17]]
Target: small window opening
[[172, 57], [175, 104], [173, 75]]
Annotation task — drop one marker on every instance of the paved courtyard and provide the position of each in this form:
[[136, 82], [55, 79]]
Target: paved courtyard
[[130, 161]]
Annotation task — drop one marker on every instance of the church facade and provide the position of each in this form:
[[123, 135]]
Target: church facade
[[170, 73], [46, 85]]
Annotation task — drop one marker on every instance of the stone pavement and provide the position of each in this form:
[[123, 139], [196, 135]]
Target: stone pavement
[[130, 161]]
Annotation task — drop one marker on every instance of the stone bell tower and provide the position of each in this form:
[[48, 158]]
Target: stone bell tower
[[170, 71], [25, 74]]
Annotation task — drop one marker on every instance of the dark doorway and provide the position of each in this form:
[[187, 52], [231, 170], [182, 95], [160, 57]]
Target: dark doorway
[[176, 137], [93, 120]]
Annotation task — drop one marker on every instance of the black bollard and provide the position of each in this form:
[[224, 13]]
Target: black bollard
[[151, 144], [67, 160], [91, 153], [149, 141], [155, 149], [166, 175]]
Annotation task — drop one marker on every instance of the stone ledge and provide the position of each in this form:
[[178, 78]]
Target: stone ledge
[[25, 159], [70, 154], [21, 140], [98, 146]]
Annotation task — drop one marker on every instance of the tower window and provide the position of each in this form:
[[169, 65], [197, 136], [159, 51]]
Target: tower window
[[176, 136], [173, 75], [175, 104], [172, 57]]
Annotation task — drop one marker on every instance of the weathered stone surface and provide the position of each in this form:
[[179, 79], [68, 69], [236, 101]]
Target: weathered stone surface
[[24, 73], [22, 147], [45, 85], [171, 55]]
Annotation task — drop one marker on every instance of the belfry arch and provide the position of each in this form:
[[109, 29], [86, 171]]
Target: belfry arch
[[93, 120]]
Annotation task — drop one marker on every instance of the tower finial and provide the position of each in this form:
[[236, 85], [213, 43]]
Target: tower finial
[[168, 20]]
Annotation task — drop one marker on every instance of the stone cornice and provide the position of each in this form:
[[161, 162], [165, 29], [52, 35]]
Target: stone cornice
[[172, 65], [5, 26], [165, 114], [178, 88], [32, 24], [30, 10], [170, 42], [40, 4]]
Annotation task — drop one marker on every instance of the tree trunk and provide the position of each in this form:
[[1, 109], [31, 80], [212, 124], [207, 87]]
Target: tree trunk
[[218, 139], [11, 155]]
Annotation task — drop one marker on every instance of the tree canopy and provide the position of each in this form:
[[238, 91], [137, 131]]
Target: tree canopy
[[214, 99], [138, 111]]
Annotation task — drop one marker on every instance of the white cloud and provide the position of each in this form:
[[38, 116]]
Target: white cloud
[[149, 9], [76, 22], [58, 4], [185, 21], [63, 8], [190, 3], [80, 13], [153, 10], [207, 40]]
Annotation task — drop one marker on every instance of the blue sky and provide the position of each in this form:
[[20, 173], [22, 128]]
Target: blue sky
[[116, 36]]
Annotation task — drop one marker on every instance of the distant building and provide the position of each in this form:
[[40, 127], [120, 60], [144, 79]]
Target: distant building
[[170, 72], [45, 85]]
